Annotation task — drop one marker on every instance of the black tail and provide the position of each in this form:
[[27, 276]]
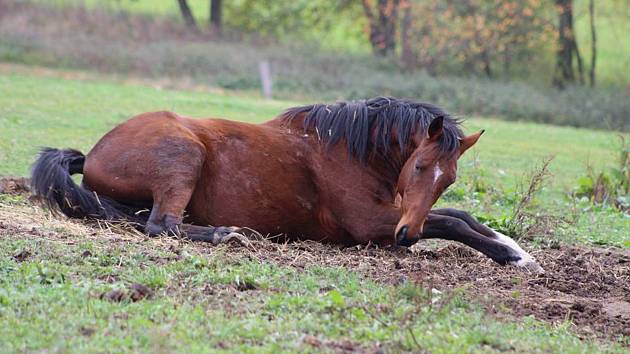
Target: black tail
[[52, 184]]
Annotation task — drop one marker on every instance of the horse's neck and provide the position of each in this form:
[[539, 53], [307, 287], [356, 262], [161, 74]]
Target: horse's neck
[[388, 166], [385, 167]]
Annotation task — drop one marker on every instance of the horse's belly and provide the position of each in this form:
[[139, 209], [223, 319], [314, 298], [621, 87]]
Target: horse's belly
[[259, 185]]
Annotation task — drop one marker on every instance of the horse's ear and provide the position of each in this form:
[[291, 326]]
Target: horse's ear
[[436, 128], [467, 142]]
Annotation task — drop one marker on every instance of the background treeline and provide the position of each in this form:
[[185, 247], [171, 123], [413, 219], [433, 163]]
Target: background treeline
[[558, 61], [487, 37]]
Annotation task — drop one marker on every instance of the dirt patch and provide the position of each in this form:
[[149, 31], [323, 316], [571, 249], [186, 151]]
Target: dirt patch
[[578, 283], [14, 185], [134, 293], [343, 346], [588, 286], [22, 256]]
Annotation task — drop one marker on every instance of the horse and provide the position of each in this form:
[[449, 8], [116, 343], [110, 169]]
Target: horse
[[352, 172]]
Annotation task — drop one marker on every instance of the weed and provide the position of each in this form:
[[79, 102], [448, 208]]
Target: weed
[[536, 183], [608, 187], [521, 220]]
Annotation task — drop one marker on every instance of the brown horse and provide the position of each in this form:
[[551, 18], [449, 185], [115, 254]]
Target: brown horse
[[346, 173]]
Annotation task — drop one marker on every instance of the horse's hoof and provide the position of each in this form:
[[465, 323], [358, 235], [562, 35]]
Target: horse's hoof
[[229, 234], [529, 264], [237, 238]]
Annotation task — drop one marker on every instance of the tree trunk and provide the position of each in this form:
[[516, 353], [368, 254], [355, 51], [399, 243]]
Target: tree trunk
[[507, 59], [187, 15], [382, 25], [485, 59], [567, 46], [407, 56], [591, 12], [216, 22], [578, 57]]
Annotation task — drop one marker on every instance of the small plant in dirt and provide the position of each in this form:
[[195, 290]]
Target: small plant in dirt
[[609, 187], [476, 189], [521, 219]]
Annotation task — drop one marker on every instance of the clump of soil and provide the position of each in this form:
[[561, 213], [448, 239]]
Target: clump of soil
[[134, 293], [22, 255], [14, 185]]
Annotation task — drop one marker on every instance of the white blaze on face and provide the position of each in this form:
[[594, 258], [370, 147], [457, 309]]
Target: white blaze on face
[[438, 173]]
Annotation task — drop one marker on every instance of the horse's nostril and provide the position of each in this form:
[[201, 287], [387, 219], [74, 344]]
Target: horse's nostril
[[402, 233]]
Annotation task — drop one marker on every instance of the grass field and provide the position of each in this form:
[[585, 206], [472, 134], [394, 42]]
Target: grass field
[[64, 287], [57, 277]]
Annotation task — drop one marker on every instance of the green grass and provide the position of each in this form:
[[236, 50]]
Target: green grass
[[200, 8], [52, 301]]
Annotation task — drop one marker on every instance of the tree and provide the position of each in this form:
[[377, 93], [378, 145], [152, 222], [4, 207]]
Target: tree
[[591, 12], [567, 47], [305, 20], [216, 22], [407, 55], [473, 36], [187, 15], [383, 21]]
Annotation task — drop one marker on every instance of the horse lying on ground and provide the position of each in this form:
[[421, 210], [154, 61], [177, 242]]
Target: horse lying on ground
[[346, 173]]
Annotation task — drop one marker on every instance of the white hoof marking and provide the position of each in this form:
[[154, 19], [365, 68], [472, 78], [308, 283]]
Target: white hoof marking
[[527, 261]]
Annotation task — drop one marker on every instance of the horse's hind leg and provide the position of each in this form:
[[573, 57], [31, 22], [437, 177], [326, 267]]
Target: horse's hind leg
[[169, 203], [216, 235], [167, 215], [173, 168], [170, 223], [170, 198]]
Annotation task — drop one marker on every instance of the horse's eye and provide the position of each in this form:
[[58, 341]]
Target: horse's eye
[[417, 167]]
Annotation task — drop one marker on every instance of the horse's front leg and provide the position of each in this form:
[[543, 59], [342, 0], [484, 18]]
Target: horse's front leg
[[456, 225], [468, 219], [481, 228]]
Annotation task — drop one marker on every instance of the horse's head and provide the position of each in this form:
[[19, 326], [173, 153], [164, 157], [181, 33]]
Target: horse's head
[[424, 177]]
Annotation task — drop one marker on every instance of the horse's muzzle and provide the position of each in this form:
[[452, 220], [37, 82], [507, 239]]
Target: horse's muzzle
[[402, 234], [403, 240]]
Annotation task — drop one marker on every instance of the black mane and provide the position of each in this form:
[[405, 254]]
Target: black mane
[[370, 123]]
